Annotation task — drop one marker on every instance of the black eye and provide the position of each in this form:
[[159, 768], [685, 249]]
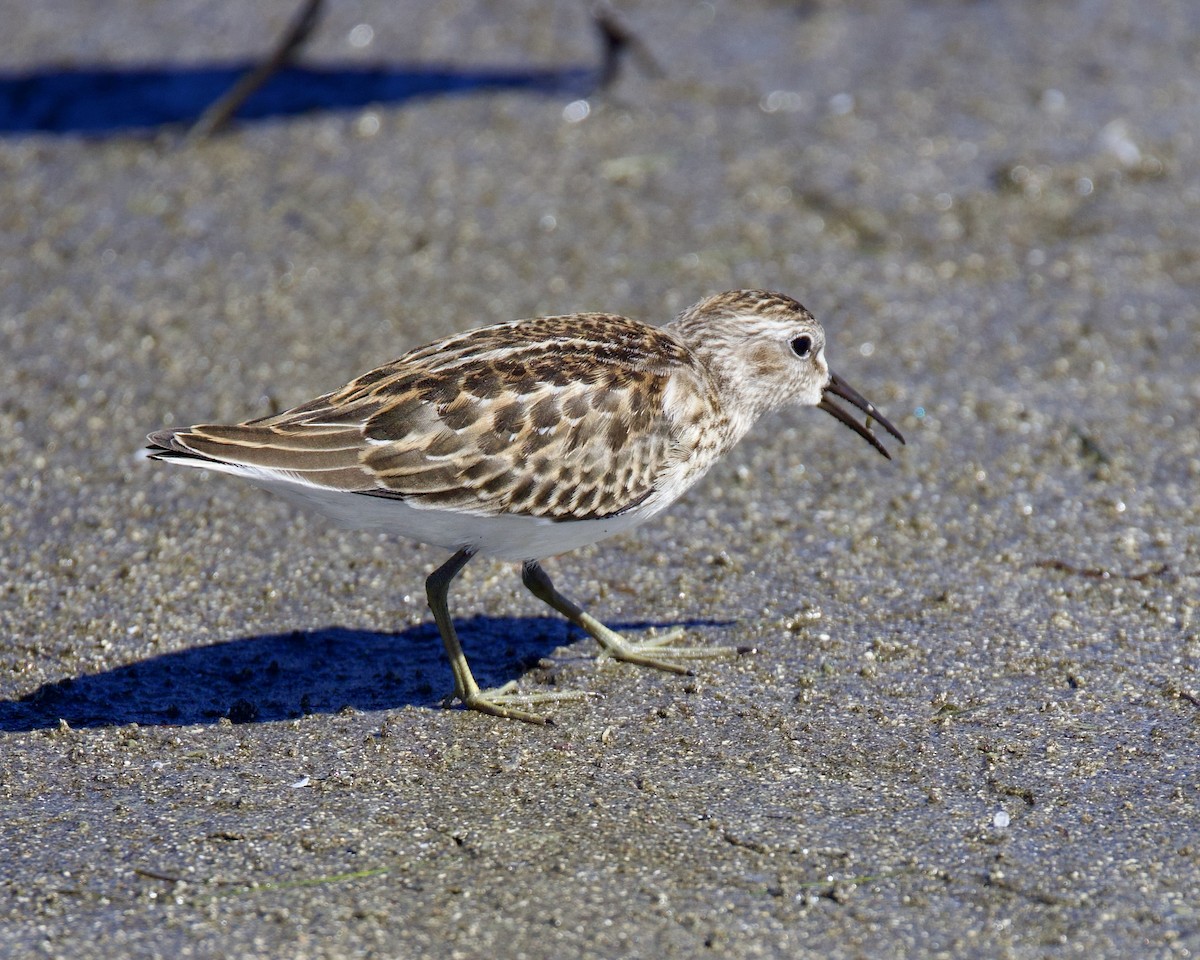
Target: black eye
[[802, 346]]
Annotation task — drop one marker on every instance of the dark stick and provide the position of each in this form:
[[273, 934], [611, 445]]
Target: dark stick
[[615, 40], [219, 112]]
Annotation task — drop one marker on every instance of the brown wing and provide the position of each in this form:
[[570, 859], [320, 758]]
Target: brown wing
[[521, 418]]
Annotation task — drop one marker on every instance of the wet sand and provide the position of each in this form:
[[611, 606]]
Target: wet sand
[[969, 723]]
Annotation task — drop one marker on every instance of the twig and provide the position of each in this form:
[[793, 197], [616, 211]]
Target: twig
[[1099, 573], [219, 112], [615, 40], [155, 875]]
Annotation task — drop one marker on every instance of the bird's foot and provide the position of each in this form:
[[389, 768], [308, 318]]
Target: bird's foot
[[656, 651], [499, 701]]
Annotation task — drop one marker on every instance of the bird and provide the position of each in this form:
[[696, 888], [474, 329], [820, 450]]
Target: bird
[[530, 438]]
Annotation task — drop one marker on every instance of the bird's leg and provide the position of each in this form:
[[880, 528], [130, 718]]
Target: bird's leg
[[495, 702], [653, 652]]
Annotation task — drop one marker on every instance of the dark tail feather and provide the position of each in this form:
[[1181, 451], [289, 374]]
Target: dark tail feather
[[162, 445]]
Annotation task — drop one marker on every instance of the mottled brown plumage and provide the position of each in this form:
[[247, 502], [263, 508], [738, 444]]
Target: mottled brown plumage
[[530, 438], [518, 418]]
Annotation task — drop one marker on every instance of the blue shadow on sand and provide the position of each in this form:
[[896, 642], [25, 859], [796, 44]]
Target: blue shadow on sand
[[100, 101], [286, 675]]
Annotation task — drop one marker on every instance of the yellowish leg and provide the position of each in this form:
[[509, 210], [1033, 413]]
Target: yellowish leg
[[652, 652], [496, 701]]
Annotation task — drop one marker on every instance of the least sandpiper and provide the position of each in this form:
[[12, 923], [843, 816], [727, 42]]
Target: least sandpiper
[[527, 439]]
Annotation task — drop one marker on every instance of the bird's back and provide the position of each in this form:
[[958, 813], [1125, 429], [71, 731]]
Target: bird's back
[[562, 418]]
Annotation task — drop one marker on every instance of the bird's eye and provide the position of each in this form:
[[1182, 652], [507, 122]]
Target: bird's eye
[[802, 346]]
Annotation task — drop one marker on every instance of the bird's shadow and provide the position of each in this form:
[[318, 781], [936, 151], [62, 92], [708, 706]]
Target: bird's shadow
[[280, 676], [99, 101]]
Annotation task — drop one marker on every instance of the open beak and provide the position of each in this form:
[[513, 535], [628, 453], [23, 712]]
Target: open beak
[[840, 388]]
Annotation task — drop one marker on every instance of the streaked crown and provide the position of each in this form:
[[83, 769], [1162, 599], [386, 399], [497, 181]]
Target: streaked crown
[[763, 349]]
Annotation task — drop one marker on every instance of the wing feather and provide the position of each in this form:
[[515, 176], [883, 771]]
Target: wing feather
[[532, 418]]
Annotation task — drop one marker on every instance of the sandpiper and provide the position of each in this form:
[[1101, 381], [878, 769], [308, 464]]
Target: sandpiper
[[531, 438]]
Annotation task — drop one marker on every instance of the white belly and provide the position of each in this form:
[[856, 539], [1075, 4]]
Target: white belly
[[507, 537]]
